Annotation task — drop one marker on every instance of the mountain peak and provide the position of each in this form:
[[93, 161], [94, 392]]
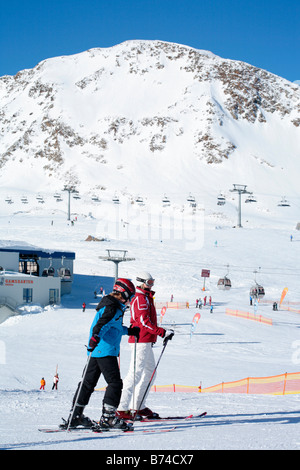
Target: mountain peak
[[94, 118]]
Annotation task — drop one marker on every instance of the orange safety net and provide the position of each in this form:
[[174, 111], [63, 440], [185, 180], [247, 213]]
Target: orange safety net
[[284, 384], [249, 316], [172, 304]]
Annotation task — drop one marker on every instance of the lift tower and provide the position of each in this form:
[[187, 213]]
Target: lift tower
[[240, 189], [117, 257]]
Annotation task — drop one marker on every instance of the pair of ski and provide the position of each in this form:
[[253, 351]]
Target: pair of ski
[[131, 429]]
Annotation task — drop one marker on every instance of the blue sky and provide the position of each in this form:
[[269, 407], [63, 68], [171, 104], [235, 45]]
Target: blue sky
[[263, 33]]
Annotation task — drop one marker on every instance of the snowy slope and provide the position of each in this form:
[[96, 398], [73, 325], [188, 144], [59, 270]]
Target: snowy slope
[[222, 348]]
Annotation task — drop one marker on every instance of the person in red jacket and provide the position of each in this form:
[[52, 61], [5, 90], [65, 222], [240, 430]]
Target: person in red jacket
[[142, 364]]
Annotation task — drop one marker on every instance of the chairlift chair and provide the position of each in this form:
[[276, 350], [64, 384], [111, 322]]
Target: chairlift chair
[[221, 200], [58, 197], [165, 200], [283, 203], [257, 291], [24, 200], [139, 200], [115, 199], [224, 283], [191, 199], [250, 198], [64, 273], [95, 198]]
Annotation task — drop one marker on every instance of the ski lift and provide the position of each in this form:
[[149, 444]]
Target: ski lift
[[115, 199], [257, 291], [9, 200], [250, 198], [191, 199], [76, 195], [58, 197], [64, 272], [283, 203], [221, 200], [139, 200], [95, 198], [24, 200], [166, 200], [50, 271], [224, 283], [40, 199]]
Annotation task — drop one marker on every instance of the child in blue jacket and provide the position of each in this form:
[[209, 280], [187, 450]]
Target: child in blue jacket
[[104, 346]]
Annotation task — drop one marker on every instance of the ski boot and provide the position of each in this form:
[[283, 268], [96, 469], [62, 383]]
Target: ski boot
[[149, 414], [129, 415], [109, 421], [78, 420]]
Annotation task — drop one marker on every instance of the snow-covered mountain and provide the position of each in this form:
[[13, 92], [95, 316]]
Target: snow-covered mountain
[[107, 119]]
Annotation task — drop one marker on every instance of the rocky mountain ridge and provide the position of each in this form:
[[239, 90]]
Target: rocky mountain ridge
[[97, 118]]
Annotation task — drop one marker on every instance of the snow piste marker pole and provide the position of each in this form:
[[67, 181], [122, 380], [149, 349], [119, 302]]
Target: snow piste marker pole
[[150, 381], [78, 392]]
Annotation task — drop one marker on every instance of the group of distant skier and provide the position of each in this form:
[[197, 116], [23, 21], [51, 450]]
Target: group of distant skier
[[200, 303], [54, 384]]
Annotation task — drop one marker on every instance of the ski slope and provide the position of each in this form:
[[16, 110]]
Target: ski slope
[[222, 348]]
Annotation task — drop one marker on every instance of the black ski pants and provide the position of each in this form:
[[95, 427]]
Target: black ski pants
[[108, 366]]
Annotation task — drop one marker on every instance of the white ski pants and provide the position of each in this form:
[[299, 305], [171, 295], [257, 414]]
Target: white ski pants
[[134, 385]]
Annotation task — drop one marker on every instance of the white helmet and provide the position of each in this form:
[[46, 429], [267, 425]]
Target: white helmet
[[145, 278]]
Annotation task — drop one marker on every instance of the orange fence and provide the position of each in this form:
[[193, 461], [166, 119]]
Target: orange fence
[[249, 316], [284, 384], [290, 309], [172, 304]]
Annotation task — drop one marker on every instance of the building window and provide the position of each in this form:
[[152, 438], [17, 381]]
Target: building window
[[53, 296], [27, 295]]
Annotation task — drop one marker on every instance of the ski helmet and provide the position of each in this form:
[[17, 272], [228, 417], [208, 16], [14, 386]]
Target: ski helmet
[[145, 278], [125, 288]]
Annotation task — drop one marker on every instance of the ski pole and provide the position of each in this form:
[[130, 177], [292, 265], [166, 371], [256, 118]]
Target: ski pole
[[78, 391], [150, 381], [134, 371]]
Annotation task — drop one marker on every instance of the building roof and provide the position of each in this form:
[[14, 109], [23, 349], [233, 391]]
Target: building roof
[[26, 249]]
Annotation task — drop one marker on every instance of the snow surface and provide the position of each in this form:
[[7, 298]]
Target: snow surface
[[222, 348]]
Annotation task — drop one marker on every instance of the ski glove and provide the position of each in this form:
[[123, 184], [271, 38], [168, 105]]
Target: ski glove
[[134, 331], [93, 343], [168, 335]]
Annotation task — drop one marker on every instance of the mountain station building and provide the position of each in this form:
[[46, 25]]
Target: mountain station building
[[32, 275]]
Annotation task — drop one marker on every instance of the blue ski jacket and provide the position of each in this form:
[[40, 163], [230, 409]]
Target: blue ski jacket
[[108, 325]]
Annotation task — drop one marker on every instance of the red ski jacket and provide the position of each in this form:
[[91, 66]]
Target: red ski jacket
[[143, 315]]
